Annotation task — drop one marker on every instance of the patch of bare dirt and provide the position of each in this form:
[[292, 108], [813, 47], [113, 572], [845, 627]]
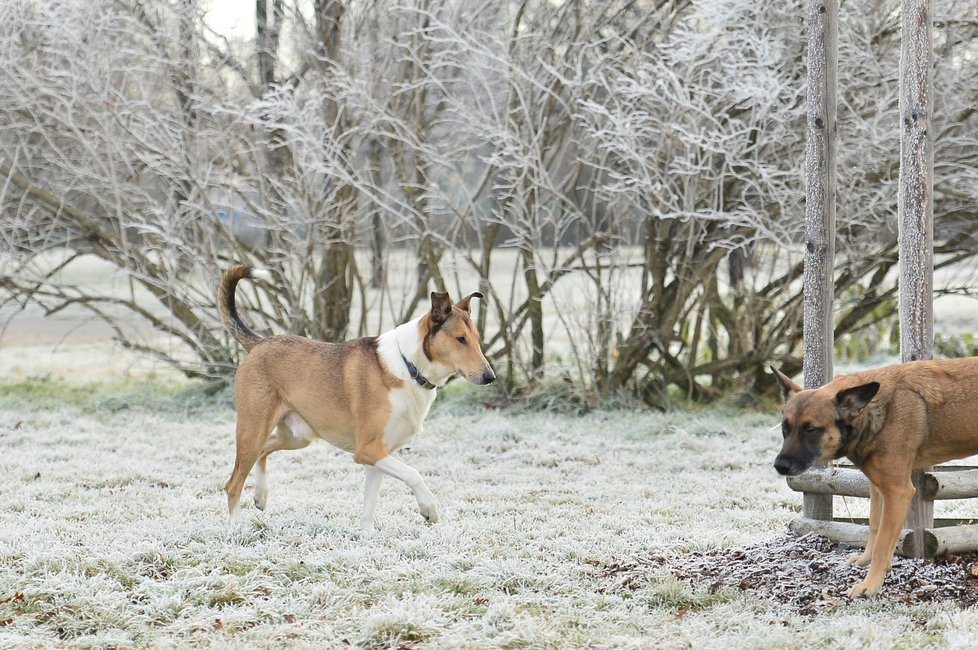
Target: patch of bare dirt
[[807, 574]]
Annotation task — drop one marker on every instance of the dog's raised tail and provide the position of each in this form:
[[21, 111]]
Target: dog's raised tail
[[225, 303]]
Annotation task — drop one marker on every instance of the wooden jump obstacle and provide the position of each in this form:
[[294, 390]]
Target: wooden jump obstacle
[[939, 536], [923, 536]]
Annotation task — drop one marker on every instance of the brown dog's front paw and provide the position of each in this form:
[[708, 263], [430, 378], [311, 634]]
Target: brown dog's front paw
[[859, 559], [864, 590]]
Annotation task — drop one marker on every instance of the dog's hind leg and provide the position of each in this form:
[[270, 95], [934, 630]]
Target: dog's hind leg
[[248, 450], [283, 438], [256, 418]]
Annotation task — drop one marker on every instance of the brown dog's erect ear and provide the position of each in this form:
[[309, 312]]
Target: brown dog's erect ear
[[852, 400], [441, 307], [788, 387], [463, 304]]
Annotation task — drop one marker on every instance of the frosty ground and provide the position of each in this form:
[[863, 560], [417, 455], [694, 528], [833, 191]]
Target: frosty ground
[[557, 530]]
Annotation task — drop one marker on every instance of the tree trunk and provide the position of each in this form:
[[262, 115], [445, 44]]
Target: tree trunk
[[535, 312], [334, 294]]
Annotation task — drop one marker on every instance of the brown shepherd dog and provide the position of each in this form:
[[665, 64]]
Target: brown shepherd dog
[[888, 422]]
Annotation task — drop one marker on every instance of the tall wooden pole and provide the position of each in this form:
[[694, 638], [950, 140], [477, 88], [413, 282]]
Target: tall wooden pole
[[819, 285], [916, 211]]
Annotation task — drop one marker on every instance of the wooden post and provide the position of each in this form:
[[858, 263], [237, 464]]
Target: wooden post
[[819, 285], [916, 212]]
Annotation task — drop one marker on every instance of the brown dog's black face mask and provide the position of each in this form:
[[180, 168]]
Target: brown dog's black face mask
[[802, 447], [817, 426]]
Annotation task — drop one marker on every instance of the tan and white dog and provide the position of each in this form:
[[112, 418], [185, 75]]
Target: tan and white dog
[[368, 396]]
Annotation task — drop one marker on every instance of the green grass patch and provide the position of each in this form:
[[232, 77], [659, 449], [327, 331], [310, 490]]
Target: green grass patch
[[170, 397], [226, 595], [551, 396], [239, 567], [397, 633], [457, 585], [671, 594], [45, 394], [124, 575]]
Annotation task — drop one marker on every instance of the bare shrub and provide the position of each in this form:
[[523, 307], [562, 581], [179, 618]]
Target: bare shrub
[[622, 182]]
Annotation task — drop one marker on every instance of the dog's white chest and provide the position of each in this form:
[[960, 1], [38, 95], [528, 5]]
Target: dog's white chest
[[409, 407]]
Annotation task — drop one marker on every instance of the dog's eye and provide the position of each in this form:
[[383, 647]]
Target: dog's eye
[[461, 340], [810, 430]]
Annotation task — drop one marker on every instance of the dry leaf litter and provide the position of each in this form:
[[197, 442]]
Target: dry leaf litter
[[807, 574]]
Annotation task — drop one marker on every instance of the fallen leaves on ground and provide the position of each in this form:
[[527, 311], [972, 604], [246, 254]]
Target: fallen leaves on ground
[[807, 574]]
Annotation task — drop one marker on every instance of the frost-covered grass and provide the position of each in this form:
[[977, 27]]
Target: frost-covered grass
[[113, 533]]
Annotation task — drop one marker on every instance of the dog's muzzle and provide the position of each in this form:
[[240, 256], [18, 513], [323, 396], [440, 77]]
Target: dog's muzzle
[[790, 466]]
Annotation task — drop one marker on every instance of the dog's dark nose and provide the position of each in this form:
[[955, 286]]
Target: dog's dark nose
[[488, 376], [783, 466]]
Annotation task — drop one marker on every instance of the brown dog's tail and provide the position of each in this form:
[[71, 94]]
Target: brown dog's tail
[[225, 304]]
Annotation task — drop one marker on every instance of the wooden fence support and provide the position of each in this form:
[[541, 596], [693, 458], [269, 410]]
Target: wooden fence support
[[916, 212], [819, 332]]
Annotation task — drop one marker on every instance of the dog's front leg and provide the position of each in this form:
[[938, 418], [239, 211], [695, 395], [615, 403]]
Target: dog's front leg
[[896, 491], [371, 487], [875, 512], [402, 471]]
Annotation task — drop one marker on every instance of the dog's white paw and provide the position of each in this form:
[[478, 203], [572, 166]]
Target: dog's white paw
[[234, 519], [261, 489], [426, 504], [429, 512], [367, 526]]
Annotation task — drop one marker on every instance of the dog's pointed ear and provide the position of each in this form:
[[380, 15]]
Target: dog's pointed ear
[[788, 387], [463, 304], [850, 401], [441, 307]]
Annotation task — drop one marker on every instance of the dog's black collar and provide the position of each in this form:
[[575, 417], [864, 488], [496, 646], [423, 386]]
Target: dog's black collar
[[415, 373]]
